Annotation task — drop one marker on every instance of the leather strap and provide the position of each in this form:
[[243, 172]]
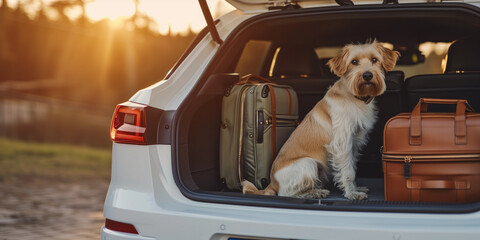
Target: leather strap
[[460, 119]]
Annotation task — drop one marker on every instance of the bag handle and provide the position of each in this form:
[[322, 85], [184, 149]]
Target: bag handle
[[425, 101], [460, 187], [438, 184], [252, 79], [460, 119]]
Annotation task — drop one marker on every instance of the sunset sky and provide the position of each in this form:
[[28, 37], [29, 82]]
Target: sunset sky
[[178, 14]]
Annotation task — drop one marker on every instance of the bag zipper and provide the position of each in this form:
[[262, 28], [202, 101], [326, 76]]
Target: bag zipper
[[430, 157], [407, 159], [406, 166], [240, 147]]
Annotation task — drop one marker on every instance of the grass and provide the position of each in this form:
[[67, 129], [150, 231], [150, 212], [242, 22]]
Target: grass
[[36, 162]]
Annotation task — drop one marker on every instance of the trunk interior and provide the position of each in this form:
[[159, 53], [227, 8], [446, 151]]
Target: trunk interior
[[292, 47]]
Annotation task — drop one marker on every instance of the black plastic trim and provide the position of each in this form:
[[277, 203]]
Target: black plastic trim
[[164, 132], [159, 126], [295, 203], [331, 205]]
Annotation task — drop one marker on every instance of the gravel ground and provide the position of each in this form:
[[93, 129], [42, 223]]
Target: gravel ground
[[52, 210]]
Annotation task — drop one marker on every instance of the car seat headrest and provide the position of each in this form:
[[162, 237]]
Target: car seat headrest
[[462, 56], [294, 61]]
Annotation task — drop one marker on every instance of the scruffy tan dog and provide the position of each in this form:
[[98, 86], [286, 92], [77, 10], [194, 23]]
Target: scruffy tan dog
[[329, 138]]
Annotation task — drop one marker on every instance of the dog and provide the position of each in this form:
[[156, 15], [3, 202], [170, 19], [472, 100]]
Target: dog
[[327, 141]]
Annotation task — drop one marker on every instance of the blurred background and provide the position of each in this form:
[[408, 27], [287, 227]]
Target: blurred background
[[64, 65]]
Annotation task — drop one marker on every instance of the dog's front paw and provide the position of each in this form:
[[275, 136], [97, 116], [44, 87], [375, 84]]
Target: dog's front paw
[[356, 195], [322, 193]]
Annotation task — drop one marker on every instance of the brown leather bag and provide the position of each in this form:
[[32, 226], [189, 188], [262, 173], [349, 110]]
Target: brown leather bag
[[433, 157]]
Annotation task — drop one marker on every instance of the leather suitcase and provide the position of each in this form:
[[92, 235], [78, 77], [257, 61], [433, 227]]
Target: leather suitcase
[[433, 157], [257, 118]]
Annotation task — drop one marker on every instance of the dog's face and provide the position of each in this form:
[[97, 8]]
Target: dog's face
[[363, 67]]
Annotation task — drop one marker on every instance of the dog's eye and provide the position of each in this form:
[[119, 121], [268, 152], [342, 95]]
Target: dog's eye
[[354, 62], [374, 60]]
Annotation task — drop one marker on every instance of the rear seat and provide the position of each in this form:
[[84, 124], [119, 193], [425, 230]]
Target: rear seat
[[311, 78], [460, 80], [450, 86], [301, 69], [389, 104]]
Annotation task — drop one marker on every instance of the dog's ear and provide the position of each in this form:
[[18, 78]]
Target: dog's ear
[[337, 64], [390, 57]]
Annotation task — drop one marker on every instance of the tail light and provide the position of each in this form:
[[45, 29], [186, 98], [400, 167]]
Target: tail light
[[129, 124], [140, 124], [120, 226]]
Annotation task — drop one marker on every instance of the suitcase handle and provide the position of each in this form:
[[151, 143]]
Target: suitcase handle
[[460, 119], [253, 78]]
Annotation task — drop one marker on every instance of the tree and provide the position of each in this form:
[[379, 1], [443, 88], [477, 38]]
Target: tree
[[60, 7], [4, 5], [82, 4]]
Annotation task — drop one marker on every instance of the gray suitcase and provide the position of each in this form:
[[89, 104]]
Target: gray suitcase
[[258, 116]]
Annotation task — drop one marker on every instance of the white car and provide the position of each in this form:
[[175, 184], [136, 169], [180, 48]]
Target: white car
[[165, 170]]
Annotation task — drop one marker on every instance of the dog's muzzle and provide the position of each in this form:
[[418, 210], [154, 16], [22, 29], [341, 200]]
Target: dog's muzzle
[[367, 76]]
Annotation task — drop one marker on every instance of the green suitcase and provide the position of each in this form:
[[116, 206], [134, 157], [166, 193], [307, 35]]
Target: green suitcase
[[258, 116]]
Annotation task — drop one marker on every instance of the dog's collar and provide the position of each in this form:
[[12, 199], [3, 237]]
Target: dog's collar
[[366, 99]]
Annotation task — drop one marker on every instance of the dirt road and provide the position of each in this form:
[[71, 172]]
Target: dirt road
[[52, 210]]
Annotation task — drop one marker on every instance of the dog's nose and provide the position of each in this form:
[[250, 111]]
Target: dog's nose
[[367, 76]]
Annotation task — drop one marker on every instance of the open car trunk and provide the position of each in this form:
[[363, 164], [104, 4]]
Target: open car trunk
[[291, 47]]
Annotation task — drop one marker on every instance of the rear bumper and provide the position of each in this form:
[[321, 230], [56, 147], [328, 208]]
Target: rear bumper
[[223, 222], [143, 193]]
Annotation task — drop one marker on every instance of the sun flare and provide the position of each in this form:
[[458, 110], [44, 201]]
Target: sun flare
[[112, 10], [177, 16], [174, 16]]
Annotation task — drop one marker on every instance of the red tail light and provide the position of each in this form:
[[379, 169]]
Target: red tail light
[[129, 124], [120, 227]]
